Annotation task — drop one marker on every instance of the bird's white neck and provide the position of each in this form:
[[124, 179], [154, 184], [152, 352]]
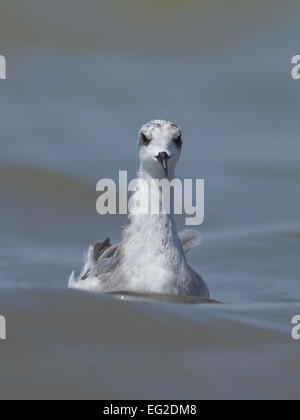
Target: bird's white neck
[[156, 225], [155, 173], [150, 198]]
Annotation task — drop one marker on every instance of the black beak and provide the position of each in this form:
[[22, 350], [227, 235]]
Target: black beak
[[163, 158]]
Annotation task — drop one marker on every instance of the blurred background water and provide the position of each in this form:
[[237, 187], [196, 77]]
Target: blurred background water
[[82, 77]]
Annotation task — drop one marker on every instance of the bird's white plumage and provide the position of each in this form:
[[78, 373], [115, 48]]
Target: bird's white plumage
[[151, 256]]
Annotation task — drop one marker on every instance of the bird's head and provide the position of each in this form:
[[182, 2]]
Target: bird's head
[[160, 145]]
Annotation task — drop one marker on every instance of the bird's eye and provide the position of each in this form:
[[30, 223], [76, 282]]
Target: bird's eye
[[144, 140], [178, 141]]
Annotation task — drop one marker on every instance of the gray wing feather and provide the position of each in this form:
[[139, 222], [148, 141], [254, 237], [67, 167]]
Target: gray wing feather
[[189, 239]]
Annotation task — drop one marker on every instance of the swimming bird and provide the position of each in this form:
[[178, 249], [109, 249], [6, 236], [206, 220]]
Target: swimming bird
[[151, 256]]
